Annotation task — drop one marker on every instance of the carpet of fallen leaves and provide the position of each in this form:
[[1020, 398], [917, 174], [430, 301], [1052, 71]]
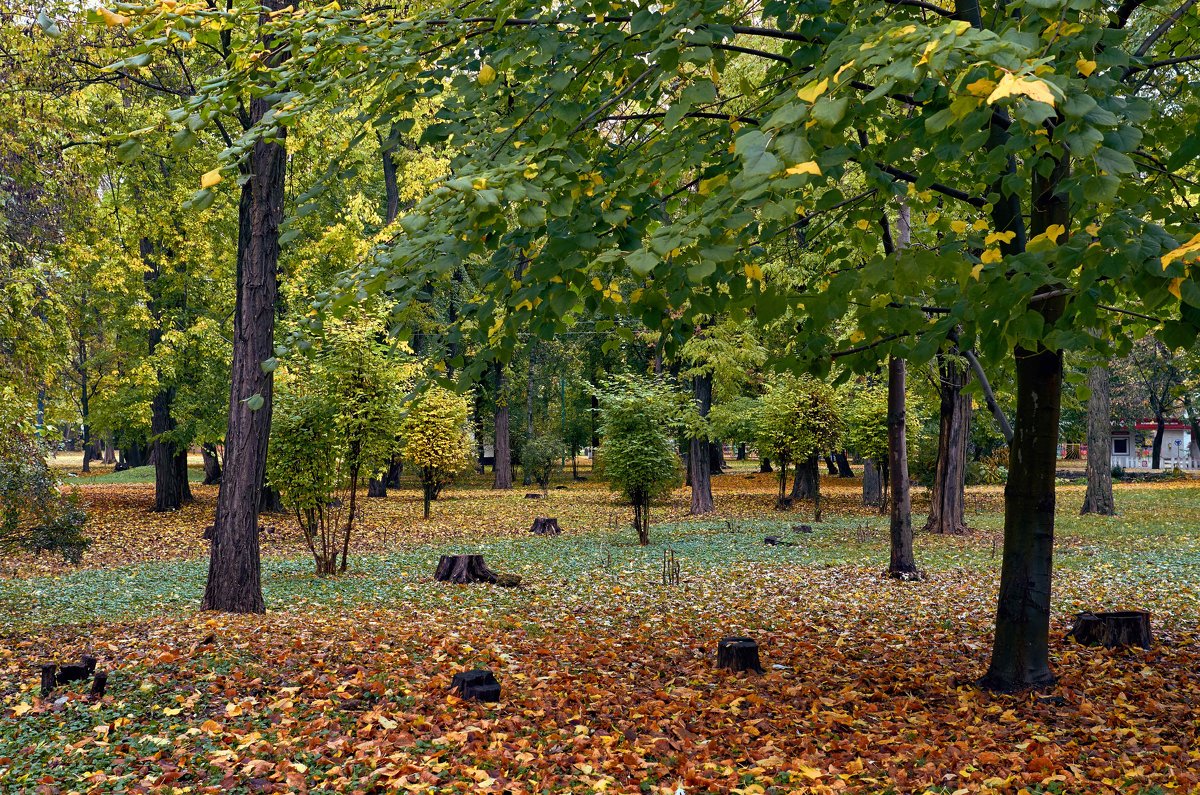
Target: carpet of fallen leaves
[[607, 675]]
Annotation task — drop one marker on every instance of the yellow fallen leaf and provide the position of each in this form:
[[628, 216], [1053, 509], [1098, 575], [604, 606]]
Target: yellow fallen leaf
[[21, 709], [172, 711]]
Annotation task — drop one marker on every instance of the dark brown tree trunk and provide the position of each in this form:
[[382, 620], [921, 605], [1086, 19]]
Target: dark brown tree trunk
[[764, 465], [903, 565], [387, 151], [1113, 630], [807, 481], [110, 457], [699, 460], [377, 487], [1020, 649], [716, 458], [831, 465], [1099, 495], [185, 483], [872, 484], [212, 464], [741, 451], [502, 463], [843, 465], [168, 492], [1160, 429], [946, 505], [85, 410], [529, 388], [464, 570], [234, 572]]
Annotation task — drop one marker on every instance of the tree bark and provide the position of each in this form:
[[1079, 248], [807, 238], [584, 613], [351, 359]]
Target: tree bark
[[843, 465], [377, 487], [502, 463], [1099, 495], [526, 479], [990, 397], [1020, 648], [387, 150], [699, 456], [212, 464], [168, 493], [872, 484], [903, 565], [764, 465], [1160, 429], [807, 481], [947, 501], [234, 572]]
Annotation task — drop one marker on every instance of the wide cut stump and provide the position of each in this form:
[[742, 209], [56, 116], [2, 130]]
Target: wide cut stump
[[1113, 630], [546, 526], [738, 654], [477, 685], [464, 570]]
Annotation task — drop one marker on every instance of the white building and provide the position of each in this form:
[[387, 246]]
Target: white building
[[1132, 445]]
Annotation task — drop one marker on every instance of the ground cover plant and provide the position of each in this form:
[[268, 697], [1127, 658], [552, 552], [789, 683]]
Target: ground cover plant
[[607, 675]]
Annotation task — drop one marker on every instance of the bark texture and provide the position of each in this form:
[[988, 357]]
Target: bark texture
[[234, 572], [502, 463], [902, 565], [1099, 495], [947, 501], [699, 455]]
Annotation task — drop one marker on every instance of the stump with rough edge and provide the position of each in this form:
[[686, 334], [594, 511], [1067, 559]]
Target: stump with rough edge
[[469, 569], [1113, 630], [534, 495], [99, 684], [48, 679], [738, 654], [72, 673], [477, 685], [546, 526]]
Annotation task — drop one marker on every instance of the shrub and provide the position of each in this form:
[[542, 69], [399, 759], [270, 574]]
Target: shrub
[[34, 515], [1118, 472], [434, 440], [637, 453], [796, 420], [991, 470], [541, 457]]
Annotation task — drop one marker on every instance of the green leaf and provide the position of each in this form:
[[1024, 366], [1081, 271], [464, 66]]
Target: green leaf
[[48, 25], [255, 402]]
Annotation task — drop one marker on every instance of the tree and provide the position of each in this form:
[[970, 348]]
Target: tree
[[502, 454], [335, 423], [435, 440], [866, 415], [1152, 364], [34, 516], [1099, 495], [636, 451], [797, 421], [946, 500], [541, 457]]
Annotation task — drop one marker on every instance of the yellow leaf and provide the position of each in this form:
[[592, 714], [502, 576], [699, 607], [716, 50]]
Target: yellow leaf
[[990, 255], [929, 49], [211, 178], [1092, 229], [981, 87], [863, 224], [706, 185], [531, 171], [1085, 67], [932, 218], [1190, 247], [999, 237], [112, 20], [812, 91], [172, 711], [487, 75], [1054, 232], [1011, 85], [837, 78], [210, 726], [387, 723], [809, 167], [811, 772], [21, 709], [597, 284], [479, 183], [959, 227], [233, 710], [978, 269], [857, 336], [979, 225]]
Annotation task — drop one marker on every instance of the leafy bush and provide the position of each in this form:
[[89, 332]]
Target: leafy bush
[[991, 470], [1118, 472], [637, 453], [435, 440], [796, 420], [34, 515], [541, 457]]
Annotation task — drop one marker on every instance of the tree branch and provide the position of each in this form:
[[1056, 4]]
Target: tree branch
[[944, 12], [989, 396]]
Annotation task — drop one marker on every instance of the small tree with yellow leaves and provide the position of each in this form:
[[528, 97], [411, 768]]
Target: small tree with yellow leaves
[[434, 439]]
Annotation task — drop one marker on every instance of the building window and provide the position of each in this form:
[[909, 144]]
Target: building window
[[1120, 446]]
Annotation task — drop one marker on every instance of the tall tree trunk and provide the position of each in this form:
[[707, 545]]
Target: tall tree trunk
[[168, 493], [1020, 648], [946, 506], [85, 410], [110, 456], [526, 479], [699, 456], [387, 151], [212, 464], [741, 451], [807, 482], [764, 465], [872, 486], [903, 564], [1099, 495], [843, 465], [502, 463], [1160, 429], [234, 572], [181, 474]]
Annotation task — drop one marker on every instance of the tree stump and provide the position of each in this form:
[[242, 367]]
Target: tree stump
[[776, 541], [48, 679], [71, 673], [533, 495], [477, 685], [802, 528], [1113, 630], [464, 570], [89, 664], [99, 683], [546, 526], [738, 654]]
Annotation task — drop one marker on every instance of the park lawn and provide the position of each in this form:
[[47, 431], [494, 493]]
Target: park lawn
[[607, 674]]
